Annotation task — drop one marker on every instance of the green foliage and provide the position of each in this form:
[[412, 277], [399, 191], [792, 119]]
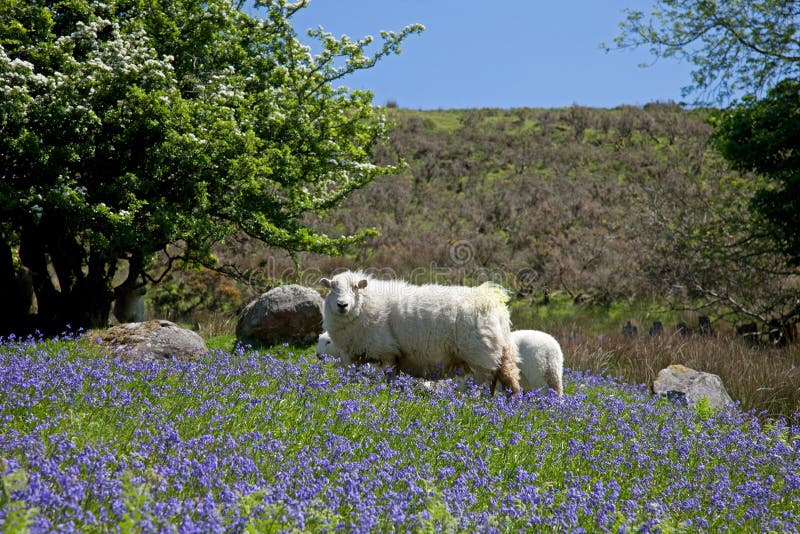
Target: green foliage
[[128, 126], [737, 47], [704, 409], [18, 517], [561, 312], [733, 45], [763, 136]]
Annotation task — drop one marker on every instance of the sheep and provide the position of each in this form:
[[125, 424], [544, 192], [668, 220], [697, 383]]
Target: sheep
[[541, 362], [325, 345], [420, 328]]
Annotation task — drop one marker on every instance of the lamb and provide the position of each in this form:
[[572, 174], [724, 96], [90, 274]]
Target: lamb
[[420, 328], [325, 345], [541, 360]]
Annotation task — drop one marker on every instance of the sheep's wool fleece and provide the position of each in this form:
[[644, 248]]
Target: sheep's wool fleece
[[541, 360], [424, 326]]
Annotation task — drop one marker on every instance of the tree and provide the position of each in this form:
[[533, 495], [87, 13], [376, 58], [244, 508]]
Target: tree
[[708, 252], [763, 136], [740, 249], [735, 46], [130, 127]]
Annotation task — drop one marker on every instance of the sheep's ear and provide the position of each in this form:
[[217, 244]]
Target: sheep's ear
[[362, 283], [325, 282]]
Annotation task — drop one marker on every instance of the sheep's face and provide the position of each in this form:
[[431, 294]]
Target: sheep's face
[[345, 296]]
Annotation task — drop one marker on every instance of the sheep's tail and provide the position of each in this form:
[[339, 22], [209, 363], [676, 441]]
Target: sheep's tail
[[508, 372]]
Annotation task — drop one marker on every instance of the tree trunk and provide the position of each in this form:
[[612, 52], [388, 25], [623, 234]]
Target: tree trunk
[[83, 299], [89, 301], [16, 293], [33, 256], [128, 303]]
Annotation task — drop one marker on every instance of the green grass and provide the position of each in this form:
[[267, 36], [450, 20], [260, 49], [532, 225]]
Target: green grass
[[447, 121], [563, 313]]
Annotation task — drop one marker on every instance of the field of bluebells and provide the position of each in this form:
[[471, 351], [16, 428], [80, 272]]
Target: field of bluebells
[[271, 441]]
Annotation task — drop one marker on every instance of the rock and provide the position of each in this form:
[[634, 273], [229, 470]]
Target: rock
[[657, 329], [705, 327], [630, 330], [154, 340], [285, 314], [688, 385], [749, 332]]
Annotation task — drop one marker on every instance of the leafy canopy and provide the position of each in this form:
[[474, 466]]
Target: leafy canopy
[[763, 136], [752, 48], [734, 45], [130, 125]]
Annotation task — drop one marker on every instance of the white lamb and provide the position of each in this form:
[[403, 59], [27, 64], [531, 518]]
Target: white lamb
[[422, 328], [325, 345], [541, 362]]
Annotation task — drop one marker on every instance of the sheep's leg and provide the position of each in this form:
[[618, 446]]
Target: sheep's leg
[[391, 366], [494, 383], [508, 372]]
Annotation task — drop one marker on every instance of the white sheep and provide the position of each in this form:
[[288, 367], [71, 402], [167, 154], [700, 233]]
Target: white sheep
[[325, 345], [541, 361], [419, 329]]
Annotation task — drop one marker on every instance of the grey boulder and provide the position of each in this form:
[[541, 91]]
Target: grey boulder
[[153, 340], [285, 314], [687, 386]]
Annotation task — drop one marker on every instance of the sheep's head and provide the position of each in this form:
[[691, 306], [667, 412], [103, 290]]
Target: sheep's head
[[345, 296], [323, 343]]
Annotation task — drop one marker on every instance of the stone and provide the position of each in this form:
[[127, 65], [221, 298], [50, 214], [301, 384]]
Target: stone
[[704, 324], [154, 340], [285, 314], [630, 330], [680, 382], [749, 332], [781, 333], [657, 329]]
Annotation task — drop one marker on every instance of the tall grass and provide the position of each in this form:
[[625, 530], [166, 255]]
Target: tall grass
[[762, 378], [253, 441]]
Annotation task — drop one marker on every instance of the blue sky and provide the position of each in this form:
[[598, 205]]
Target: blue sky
[[515, 53]]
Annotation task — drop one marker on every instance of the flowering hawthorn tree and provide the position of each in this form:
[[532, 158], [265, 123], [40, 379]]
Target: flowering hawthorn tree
[[128, 126]]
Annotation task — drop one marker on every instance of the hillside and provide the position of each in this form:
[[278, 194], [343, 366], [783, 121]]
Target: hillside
[[545, 201], [583, 213]]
